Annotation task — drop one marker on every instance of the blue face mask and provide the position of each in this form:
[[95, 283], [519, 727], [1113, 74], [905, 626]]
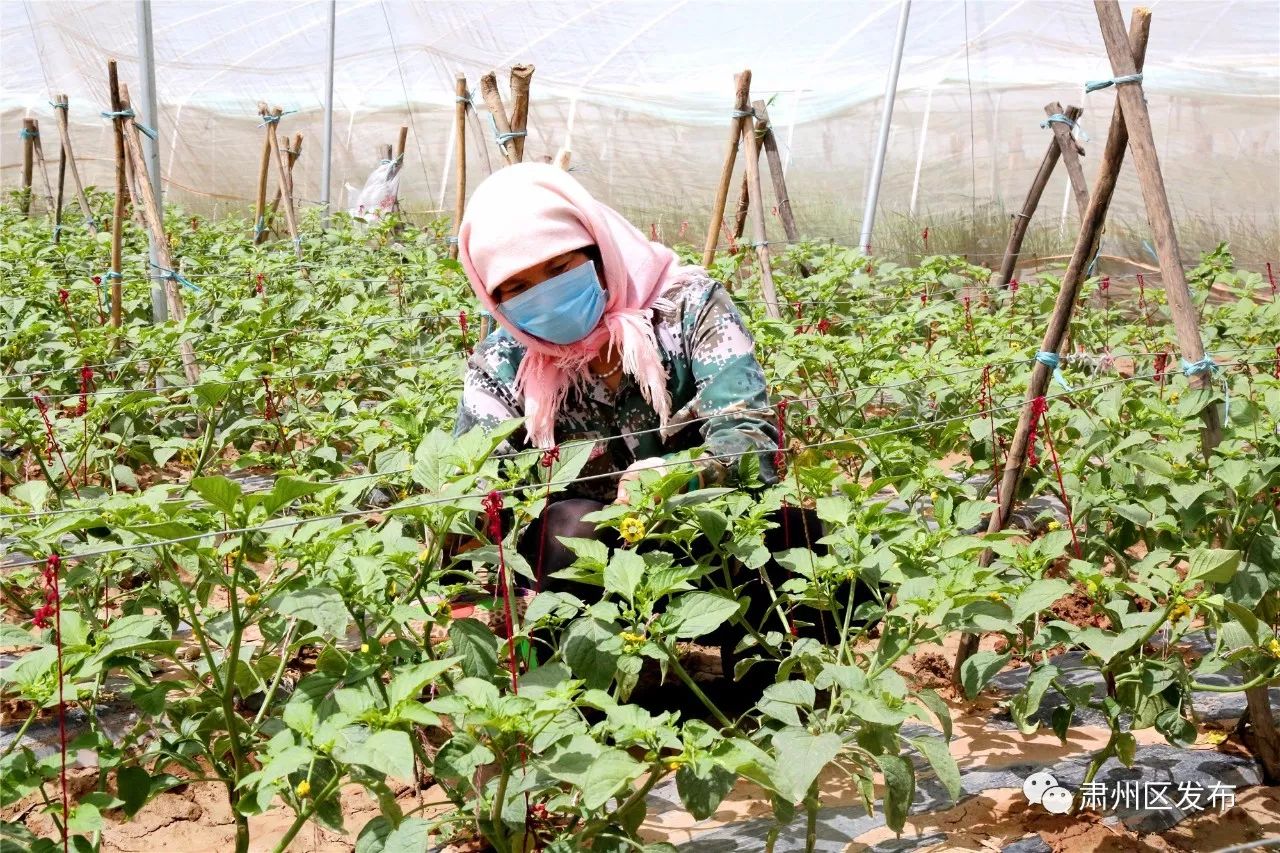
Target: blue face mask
[[563, 309]]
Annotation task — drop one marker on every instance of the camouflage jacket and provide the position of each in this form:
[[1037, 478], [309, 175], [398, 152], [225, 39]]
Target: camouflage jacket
[[716, 384]]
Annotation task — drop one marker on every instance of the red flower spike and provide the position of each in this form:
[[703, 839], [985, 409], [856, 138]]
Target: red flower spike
[[551, 456], [63, 295], [1105, 284], [1162, 362], [492, 504], [1272, 278], [97, 279], [824, 326], [779, 456]]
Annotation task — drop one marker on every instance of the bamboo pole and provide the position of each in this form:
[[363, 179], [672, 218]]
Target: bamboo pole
[[293, 154], [1022, 219], [153, 216], [1130, 100], [493, 100], [752, 156], [521, 75], [285, 181], [131, 181], [741, 95], [1090, 231], [62, 185], [117, 215], [64, 130], [44, 168], [400, 143], [780, 194], [744, 192], [461, 101], [28, 161], [260, 211], [1071, 153]]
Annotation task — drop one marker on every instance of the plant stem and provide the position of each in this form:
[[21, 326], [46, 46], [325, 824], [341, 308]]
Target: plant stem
[[305, 814], [697, 691]]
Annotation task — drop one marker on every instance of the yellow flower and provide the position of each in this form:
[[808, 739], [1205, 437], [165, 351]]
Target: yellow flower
[[303, 789], [364, 648], [994, 596], [252, 599], [1173, 398], [1179, 611], [631, 530], [1213, 738], [424, 555], [1274, 647], [632, 638], [673, 764], [1055, 525]]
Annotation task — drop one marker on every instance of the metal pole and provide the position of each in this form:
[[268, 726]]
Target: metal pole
[[150, 116], [882, 144], [326, 164]]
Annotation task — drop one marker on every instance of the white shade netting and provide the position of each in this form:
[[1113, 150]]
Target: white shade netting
[[642, 92]]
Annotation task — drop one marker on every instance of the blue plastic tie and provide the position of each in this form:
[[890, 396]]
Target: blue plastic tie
[[118, 114], [503, 138], [451, 240], [1095, 85], [175, 276], [28, 134], [743, 113], [58, 106], [110, 274], [463, 99], [144, 129], [1150, 251], [1209, 366], [399, 158], [1093, 264], [1051, 361], [259, 227], [275, 119], [1062, 119]]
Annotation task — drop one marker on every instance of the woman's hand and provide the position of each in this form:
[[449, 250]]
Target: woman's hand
[[633, 473]]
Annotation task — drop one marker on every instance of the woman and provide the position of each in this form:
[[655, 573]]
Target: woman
[[606, 337]]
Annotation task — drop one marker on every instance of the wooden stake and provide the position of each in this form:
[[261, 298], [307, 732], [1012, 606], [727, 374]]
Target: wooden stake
[[520, 78], [780, 194], [744, 193], [44, 169], [285, 180], [461, 102], [742, 89], [752, 155], [400, 143], [153, 216], [1085, 249], [131, 181], [117, 215], [62, 184], [28, 161], [493, 100], [1071, 153], [260, 211], [65, 132], [1022, 219], [1129, 97], [293, 154]]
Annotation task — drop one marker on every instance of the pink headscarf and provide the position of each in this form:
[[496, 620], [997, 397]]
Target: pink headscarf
[[529, 213]]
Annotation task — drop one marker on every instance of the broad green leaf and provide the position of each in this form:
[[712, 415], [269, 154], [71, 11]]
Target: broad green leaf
[[1037, 597], [783, 701], [943, 763], [697, 613], [475, 646], [388, 751], [322, 606], [800, 757], [591, 649], [220, 492], [900, 789], [611, 770], [408, 683], [980, 668], [624, 573], [702, 785], [1213, 565]]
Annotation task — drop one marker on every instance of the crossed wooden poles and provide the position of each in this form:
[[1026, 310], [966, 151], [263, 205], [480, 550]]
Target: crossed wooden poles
[[1131, 127]]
